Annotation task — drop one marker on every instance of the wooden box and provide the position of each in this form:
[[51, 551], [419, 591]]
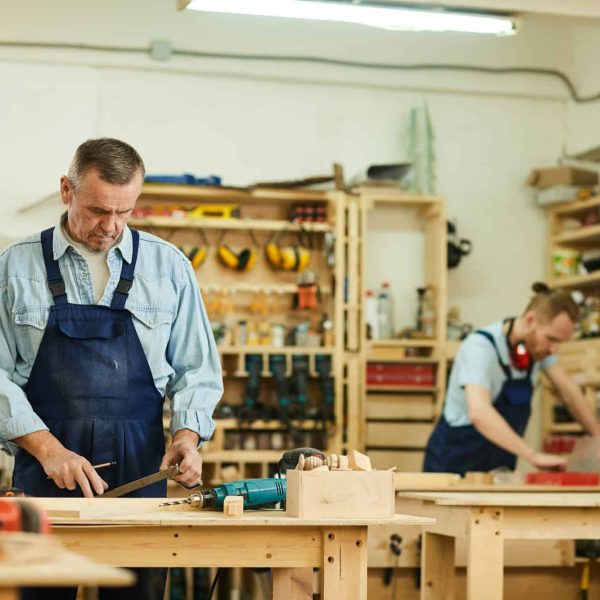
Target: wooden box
[[340, 494]]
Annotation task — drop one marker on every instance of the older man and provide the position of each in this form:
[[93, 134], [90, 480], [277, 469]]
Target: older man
[[98, 322]]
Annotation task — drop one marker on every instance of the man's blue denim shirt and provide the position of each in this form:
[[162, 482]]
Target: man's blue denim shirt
[[168, 314]]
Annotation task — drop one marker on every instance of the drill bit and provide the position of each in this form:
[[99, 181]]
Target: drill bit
[[193, 500]]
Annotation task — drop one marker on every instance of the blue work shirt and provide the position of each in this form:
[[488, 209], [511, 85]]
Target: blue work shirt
[[168, 315], [476, 363]]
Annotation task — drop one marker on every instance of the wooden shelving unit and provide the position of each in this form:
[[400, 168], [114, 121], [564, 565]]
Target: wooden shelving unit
[[252, 448], [396, 420], [584, 237], [580, 358]]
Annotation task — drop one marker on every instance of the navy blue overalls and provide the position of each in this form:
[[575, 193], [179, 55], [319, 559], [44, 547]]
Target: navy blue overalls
[[461, 449], [92, 386]]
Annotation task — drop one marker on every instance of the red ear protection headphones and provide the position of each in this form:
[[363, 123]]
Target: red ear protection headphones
[[520, 358]]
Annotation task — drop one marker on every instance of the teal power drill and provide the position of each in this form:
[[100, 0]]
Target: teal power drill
[[257, 493]]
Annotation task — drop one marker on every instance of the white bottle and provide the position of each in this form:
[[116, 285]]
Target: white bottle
[[371, 316], [385, 315]]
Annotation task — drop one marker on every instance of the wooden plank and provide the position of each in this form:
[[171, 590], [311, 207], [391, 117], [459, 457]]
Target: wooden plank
[[437, 574], [403, 460], [524, 499], [423, 481], [65, 568], [399, 406], [178, 546], [344, 571], [400, 435], [485, 554], [545, 522], [292, 584]]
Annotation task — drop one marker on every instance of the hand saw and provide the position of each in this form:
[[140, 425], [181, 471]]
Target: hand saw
[[140, 483]]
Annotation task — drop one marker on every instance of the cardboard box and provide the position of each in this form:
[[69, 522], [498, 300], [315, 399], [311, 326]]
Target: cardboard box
[[340, 494], [544, 178]]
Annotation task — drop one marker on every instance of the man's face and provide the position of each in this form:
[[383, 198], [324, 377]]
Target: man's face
[[98, 211], [544, 337]]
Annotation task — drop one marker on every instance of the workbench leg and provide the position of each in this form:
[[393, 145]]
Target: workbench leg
[[344, 571], [437, 567], [292, 584], [485, 554]]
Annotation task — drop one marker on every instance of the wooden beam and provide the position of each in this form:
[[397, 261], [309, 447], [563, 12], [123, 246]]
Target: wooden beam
[[292, 584], [437, 567], [573, 8], [344, 563]]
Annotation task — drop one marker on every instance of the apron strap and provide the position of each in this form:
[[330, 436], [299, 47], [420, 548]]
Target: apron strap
[[55, 280], [488, 336], [127, 271], [505, 368]]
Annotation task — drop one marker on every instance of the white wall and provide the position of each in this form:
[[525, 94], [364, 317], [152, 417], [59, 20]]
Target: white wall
[[253, 120]]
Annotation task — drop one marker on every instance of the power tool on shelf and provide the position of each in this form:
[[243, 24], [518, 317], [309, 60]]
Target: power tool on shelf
[[252, 408], [323, 368], [299, 410], [277, 366]]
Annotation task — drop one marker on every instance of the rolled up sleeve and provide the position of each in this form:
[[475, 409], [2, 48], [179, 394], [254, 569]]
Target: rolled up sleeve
[[17, 417], [196, 385]]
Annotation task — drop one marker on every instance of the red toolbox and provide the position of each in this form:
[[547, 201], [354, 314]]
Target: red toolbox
[[399, 374], [563, 478]]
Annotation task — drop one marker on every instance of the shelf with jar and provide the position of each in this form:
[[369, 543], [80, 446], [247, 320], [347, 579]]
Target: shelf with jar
[[403, 353], [573, 238], [269, 269]]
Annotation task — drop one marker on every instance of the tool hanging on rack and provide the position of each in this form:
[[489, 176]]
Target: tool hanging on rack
[[196, 254], [242, 260], [288, 258], [277, 366], [309, 293], [323, 367], [252, 408], [299, 408]]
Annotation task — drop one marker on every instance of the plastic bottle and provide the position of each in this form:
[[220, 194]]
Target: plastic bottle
[[385, 312], [371, 316]]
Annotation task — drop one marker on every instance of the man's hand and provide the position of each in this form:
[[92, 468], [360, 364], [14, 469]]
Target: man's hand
[[67, 469], [184, 452], [548, 461]]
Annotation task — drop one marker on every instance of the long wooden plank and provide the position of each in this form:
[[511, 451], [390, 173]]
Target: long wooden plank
[[140, 546], [549, 499], [144, 511], [65, 568]]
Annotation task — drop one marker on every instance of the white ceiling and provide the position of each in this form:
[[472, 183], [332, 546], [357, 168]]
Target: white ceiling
[[565, 8]]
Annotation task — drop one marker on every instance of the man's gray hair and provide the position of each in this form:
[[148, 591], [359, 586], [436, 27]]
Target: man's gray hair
[[115, 161]]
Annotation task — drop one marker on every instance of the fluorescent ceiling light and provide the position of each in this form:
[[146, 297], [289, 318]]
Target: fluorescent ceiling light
[[374, 16]]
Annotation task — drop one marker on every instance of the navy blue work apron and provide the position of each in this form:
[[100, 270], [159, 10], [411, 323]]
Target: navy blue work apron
[[461, 449], [92, 386]]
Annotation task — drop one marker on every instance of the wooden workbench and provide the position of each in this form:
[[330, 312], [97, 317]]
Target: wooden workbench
[[486, 520], [136, 533], [56, 568]]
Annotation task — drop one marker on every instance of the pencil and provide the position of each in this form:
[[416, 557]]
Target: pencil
[[100, 466]]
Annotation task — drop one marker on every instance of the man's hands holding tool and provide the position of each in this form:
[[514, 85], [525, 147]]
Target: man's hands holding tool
[[183, 451], [67, 469]]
